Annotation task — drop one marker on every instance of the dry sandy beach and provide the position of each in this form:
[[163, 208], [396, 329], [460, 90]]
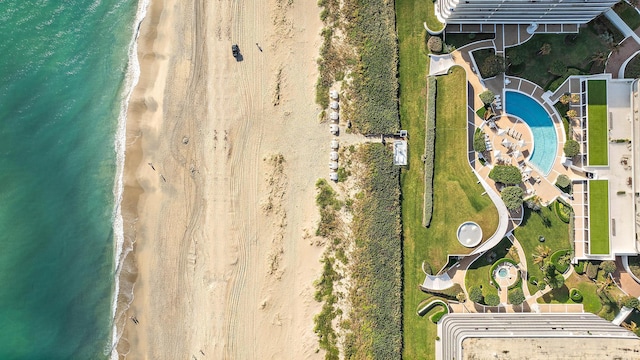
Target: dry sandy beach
[[222, 229]]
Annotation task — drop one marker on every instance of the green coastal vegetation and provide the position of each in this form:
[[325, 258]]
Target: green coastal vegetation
[[479, 273], [597, 122], [375, 322], [599, 216], [628, 14]]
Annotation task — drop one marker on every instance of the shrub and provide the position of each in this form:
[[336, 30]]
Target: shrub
[[516, 296], [608, 267], [579, 267], [479, 144], [571, 114], [575, 295], [429, 151], [512, 197], [563, 181], [541, 285], [561, 260], [435, 44], [591, 271], [558, 68], [475, 294], [492, 66], [492, 299], [571, 148], [631, 302], [562, 210], [506, 174], [556, 281], [517, 56], [487, 97], [533, 280]]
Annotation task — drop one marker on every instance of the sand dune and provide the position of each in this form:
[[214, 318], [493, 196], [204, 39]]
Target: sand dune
[[220, 221]]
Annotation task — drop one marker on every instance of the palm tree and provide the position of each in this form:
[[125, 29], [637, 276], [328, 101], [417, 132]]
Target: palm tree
[[631, 327], [600, 57], [542, 253], [545, 49]]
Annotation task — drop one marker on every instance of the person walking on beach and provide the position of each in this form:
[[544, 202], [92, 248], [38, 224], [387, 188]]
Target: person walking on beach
[[259, 48]]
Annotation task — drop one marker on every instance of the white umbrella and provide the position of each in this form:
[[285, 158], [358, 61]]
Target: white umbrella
[[506, 143], [333, 155], [501, 132], [497, 154], [516, 154], [521, 143], [527, 170]]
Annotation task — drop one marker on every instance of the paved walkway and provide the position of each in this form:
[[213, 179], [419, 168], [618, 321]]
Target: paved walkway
[[625, 280]]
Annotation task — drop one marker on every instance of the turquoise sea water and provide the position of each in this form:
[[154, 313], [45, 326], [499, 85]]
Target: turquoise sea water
[[62, 70], [545, 140]]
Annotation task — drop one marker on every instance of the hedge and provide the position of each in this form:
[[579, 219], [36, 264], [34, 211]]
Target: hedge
[[533, 280], [429, 151], [437, 316], [492, 299], [516, 296], [579, 267], [562, 211], [429, 303], [449, 293], [561, 268], [575, 295]]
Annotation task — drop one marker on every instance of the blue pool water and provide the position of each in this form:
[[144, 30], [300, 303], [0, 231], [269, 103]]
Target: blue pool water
[[545, 141]]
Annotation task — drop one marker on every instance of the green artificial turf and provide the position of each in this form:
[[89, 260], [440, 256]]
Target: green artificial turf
[[597, 123], [599, 217]]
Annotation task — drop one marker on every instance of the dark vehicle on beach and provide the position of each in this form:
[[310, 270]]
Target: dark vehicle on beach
[[235, 50]]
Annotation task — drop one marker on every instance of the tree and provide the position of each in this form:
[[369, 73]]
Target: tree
[[631, 302], [563, 181], [572, 114], [506, 174], [608, 267], [556, 281], [516, 296], [541, 285], [475, 294], [492, 66], [575, 98], [631, 327], [541, 254], [512, 197], [558, 68], [461, 297], [487, 97], [479, 144], [599, 57], [571, 148], [565, 99], [435, 44], [492, 299], [545, 49]]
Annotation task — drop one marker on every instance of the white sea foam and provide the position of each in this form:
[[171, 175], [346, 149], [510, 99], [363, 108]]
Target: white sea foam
[[131, 80]]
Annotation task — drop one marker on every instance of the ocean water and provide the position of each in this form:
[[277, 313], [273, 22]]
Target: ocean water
[[63, 76]]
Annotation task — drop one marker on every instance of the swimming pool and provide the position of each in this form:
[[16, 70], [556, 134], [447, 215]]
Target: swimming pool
[[545, 140]]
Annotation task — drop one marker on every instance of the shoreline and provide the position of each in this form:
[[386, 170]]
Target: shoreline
[[122, 299]]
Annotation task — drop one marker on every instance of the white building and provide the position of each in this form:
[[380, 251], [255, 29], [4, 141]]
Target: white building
[[520, 11]]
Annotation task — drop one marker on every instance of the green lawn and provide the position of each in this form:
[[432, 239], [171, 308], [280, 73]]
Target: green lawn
[[478, 273], [453, 177], [574, 51], [599, 216], [628, 14], [418, 332], [597, 122], [587, 288], [537, 223]]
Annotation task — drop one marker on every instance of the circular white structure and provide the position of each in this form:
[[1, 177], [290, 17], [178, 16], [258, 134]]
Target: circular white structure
[[469, 234], [333, 156], [334, 105], [334, 116]]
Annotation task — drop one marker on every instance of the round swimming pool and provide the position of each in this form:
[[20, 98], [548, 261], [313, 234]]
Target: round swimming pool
[[545, 140]]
